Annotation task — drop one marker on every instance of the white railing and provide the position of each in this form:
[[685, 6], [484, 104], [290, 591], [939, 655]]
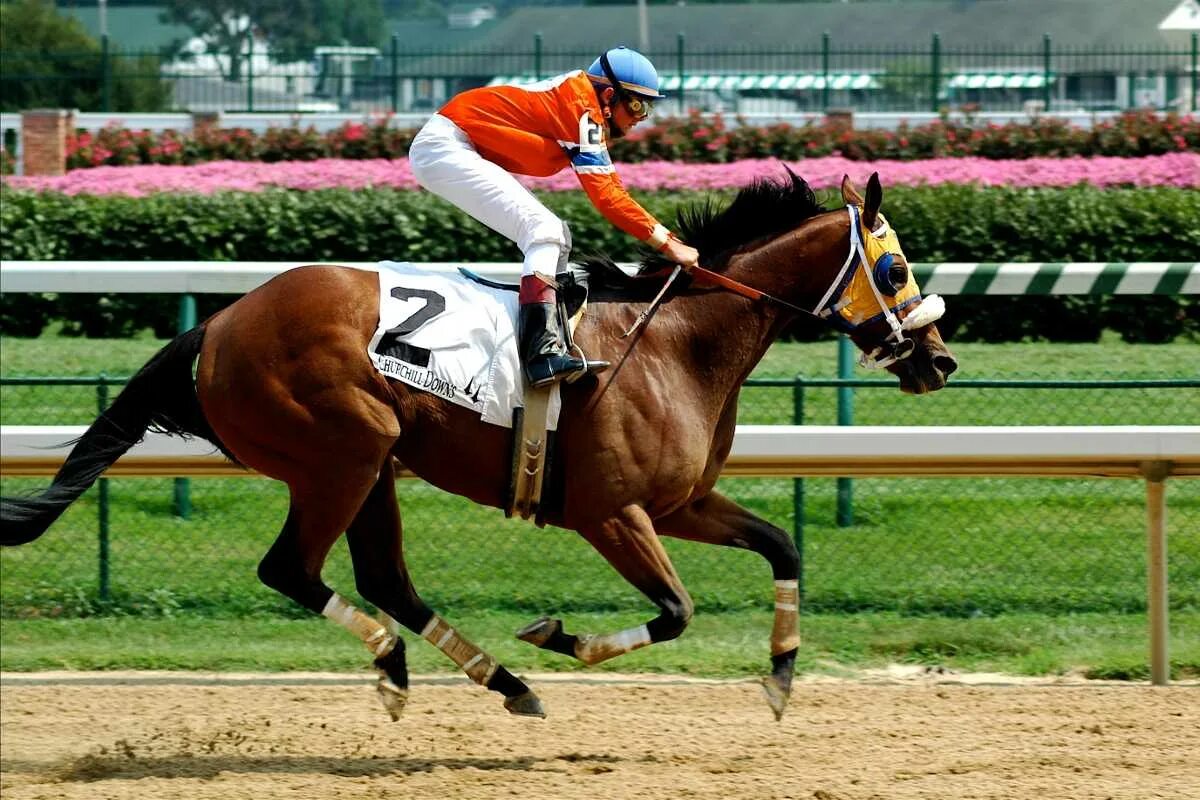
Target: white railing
[[199, 277], [1151, 453], [325, 121]]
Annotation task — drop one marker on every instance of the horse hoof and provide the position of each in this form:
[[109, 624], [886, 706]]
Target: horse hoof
[[394, 698], [525, 705], [538, 632], [777, 693]]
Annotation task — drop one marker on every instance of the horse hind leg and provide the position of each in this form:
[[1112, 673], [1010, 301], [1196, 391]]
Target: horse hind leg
[[320, 510], [376, 548], [630, 544]]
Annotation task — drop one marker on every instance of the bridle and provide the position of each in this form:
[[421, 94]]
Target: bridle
[[894, 346]]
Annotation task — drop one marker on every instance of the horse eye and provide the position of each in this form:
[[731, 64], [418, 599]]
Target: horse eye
[[890, 275]]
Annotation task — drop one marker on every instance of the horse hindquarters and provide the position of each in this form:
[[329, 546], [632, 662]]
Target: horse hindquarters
[[161, 397]]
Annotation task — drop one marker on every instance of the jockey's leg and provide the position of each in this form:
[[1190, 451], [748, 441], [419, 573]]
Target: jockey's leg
[[629, 542], [376, 542], [715, 519], [543, 346], [444, 161]]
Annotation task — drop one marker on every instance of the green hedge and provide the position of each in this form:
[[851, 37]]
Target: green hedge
[[943, 223]]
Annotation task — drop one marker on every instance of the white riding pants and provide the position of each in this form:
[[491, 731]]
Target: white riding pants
[[444, 161]]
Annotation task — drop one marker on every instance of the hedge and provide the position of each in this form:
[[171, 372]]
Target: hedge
[[942, 223]]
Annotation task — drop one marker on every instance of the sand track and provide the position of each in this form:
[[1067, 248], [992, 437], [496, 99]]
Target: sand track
[[130, 737]]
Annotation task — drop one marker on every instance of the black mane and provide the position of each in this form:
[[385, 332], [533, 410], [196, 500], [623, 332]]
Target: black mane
[[764, 209]]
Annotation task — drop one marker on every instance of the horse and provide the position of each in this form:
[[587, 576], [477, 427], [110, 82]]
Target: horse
[[281, 383]]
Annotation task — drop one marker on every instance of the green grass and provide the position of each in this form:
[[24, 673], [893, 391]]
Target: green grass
[[1000, 545], [1025, 575], [730, 644]]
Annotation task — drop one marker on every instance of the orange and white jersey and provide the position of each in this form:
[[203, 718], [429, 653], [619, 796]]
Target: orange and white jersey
[[540, 129]]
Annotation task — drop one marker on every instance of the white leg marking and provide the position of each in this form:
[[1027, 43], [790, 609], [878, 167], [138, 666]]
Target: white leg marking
[[372, 634], [478, 665], [785, 635], [594, 649]]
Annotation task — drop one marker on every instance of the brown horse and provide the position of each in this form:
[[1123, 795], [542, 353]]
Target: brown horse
[[281, 382]]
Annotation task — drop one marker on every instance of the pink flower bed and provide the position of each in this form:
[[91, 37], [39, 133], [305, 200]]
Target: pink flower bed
[[1173, 169]]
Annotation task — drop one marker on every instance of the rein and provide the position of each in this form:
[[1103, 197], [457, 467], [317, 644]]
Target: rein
[[737, 287]]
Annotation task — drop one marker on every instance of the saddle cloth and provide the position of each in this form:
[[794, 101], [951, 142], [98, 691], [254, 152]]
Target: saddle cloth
[[452, 337]]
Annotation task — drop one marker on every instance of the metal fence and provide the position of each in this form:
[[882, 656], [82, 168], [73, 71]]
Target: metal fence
[[950, 546], [816, 76]]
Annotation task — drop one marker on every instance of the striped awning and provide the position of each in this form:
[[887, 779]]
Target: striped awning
[[998, 80], [778, 81]]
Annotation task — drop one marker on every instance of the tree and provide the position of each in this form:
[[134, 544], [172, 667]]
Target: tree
[[225, 26], [48, 60], [333, 22], [292, 27]]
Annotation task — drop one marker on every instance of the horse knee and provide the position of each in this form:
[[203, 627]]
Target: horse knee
[[674, 619]]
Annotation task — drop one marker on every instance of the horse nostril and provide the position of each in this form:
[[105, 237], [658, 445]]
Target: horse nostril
[[945, 364]]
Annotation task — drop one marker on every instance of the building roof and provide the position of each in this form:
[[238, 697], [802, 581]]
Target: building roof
[[871, 24], [572, 35]]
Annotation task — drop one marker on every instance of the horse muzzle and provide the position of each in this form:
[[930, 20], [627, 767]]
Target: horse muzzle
[[925, 372]]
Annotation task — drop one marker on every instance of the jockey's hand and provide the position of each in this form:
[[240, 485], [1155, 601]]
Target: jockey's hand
[[682, 254]]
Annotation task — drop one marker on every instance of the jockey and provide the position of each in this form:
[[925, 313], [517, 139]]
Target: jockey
[[466, 154]]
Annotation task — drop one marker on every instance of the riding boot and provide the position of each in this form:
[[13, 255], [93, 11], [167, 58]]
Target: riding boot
[[542, 345]]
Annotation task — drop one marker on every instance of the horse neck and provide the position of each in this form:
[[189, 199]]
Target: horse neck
[[729, 333], [799, 266]]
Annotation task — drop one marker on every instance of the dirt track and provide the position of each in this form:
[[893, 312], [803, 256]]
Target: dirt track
[[840, 741]]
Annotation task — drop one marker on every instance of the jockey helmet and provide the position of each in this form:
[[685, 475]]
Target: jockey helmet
[[632, 70]]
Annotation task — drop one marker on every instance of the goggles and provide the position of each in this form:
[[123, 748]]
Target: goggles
[[640, 107]]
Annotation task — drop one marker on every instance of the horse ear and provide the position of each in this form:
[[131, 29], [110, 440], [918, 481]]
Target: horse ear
[[874, 201], [850, 195]]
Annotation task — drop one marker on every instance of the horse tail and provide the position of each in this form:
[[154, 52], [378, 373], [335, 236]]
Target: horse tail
[[160, 397]]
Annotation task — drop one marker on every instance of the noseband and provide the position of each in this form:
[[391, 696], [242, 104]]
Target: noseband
[[893, 347]]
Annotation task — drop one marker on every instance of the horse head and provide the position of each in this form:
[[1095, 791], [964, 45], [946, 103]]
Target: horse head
[[877, 302]]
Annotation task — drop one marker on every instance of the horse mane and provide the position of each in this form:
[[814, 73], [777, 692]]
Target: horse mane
[[761, 210]]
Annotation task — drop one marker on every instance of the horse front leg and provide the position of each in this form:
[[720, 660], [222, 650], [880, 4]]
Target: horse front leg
[[630, 544], [715, 519]]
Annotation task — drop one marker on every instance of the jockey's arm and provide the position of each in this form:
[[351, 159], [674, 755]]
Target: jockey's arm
[[610, 198]]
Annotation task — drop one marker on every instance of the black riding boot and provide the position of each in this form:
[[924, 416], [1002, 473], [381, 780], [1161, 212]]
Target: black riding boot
[[543, 351]]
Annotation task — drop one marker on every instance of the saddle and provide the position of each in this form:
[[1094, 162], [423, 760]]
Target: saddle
[[572, 289], [535, 488]]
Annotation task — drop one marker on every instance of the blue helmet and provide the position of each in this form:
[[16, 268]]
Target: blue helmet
[[634, 71]]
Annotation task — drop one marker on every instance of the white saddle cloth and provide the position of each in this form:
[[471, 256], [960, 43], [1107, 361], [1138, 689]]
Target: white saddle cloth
[[453, 337]]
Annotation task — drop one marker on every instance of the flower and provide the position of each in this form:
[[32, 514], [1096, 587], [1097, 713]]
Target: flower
[[1179, 169]]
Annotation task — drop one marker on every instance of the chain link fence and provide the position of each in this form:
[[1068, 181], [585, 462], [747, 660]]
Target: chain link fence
[[952, 546], [817, 75]]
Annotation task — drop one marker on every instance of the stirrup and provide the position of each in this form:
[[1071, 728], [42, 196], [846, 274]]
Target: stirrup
[[590, 367], [551, 375]]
